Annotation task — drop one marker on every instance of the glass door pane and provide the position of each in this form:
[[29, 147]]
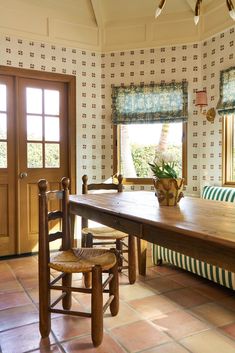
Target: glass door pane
[[3, 126]]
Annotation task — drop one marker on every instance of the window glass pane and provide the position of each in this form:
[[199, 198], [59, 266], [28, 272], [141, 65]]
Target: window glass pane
[[33, 100], [52, 155], [3, 126], [34, 155], [144, 143], [52, 129], [34, 127], [233, 148], [52, 102], [3, 98], [3, 155]]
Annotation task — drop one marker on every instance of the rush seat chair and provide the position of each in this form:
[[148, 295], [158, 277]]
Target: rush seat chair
[[101, 236], [67, 261]]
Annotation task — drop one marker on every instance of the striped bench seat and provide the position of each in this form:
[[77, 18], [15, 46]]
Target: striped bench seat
[[211, 272]]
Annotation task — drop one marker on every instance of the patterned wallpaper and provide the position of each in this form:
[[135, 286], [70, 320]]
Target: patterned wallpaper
[[86, 66], [198, 63], [155, 65], [218, 53]]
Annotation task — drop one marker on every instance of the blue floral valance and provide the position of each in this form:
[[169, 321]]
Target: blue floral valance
[[158, 103], [226, 104]]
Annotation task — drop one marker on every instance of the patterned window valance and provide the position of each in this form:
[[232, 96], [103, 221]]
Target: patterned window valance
[[158, 103], [226, 104]]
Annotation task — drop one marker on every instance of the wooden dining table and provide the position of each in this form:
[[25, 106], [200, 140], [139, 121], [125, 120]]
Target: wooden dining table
[[202, 229]]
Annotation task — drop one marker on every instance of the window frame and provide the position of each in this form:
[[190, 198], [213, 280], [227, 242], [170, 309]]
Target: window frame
[[227, 142], [145, 181]]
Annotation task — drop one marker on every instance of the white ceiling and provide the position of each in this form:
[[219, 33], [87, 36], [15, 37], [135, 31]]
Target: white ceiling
[[113, 24], [104, 12]]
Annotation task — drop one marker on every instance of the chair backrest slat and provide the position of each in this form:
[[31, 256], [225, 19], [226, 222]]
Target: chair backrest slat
[[45, 197], [99, 187], [53, 215], [55, 236]]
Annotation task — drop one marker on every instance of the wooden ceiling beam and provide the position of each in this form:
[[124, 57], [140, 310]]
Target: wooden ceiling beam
[[191, 4], [96, 6]]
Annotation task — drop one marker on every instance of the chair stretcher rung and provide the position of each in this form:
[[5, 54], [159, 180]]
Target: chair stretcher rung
[[109, 301], [70, 312], [107, 281], [71, 289], [58, 300]]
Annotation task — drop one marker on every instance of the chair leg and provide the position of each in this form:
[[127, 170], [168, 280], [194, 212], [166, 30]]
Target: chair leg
[[142, 255], [131, 259], [89, 240], [83, 243], [44, 303], [67, 300], [114, 290], [87, 279], [119, 247], [97, 306], [88, 243]]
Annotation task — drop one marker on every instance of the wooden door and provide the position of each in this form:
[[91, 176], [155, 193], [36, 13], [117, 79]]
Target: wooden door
[[43, 149], [37, 140], [7, 169]]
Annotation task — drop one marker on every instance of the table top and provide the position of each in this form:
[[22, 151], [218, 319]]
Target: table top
[[195, 217]]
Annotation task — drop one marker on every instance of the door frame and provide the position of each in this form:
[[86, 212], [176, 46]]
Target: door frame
[[70, 81]]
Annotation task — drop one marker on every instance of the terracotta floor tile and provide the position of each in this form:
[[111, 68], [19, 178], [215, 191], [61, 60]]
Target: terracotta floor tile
[[4, 267], [154, 306], [180, 314], [9, 300], [10, 286], [228, 302], [50, 349], [167, 269], [214, 314], [135, 291], [29, 283], [229, 329], [7, 275], [18, 316], [186, 297], [23, 339], [34, 295], [179, 324], [84, 344], [209, 342], [150, 274], [171, 347], [126, 315], [213, 291], [67, 327], [187, 279], [139, 336], [163, 284]]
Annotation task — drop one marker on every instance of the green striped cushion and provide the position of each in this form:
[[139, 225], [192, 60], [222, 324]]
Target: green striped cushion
[[201, 268], [218, 193], [198, 267]]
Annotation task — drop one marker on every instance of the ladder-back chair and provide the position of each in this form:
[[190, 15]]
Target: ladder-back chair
[[68, 261], [109, 236]]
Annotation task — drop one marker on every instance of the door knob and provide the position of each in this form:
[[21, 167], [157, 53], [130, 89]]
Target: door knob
[[23, 175]]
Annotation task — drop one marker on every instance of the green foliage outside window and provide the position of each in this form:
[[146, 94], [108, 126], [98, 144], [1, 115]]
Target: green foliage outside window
[[142, 155]]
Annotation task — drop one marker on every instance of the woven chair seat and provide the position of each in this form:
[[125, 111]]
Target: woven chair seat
[[82, 260], [104, 233]]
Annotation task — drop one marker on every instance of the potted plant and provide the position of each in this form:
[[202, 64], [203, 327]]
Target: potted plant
[[168, 186]]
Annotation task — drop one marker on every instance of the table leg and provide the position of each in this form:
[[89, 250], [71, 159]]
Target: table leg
[[142, 255]]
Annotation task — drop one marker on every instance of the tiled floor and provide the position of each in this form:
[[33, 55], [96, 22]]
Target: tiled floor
[[168, 311]]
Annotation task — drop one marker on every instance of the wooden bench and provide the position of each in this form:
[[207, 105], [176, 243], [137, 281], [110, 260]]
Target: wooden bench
[[206, 270]]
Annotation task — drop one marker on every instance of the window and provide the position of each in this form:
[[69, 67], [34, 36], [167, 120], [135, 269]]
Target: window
[[149, 123], [226, 108]]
